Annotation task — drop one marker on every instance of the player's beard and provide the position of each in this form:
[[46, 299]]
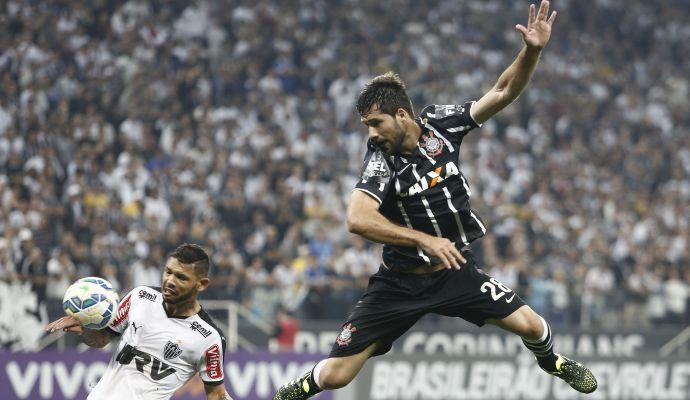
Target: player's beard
[[397, 139]]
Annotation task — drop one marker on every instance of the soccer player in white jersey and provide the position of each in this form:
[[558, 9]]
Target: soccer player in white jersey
[[165, 336]]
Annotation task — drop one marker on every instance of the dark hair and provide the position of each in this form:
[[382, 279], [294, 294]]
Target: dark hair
[[386, 91], [195, 255]]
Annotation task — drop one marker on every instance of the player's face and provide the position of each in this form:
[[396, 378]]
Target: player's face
[[180, 282], [385, 131]]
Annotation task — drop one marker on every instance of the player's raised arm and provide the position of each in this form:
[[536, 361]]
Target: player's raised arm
[[514, 79]]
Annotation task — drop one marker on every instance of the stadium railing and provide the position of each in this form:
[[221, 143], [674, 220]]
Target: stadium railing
[[680, 344]]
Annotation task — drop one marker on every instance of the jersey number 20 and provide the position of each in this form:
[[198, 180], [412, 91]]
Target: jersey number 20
[[496, 288]]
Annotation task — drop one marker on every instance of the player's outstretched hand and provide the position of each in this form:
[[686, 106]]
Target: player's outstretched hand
[[444, 249], [67, 324], [538, 30]]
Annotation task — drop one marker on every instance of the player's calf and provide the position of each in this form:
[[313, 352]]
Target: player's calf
[[575, 374], [542, 347]]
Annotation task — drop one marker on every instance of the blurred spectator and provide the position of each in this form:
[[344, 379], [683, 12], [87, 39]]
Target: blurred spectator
[[540, 290], [676, 293], [61, 273], [7, 268], [287, 327], [560, 298], [599, 287], [637, 293]]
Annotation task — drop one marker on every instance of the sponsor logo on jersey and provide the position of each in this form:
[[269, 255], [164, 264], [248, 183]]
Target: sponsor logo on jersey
[[432, 178], [203, 331], [214, 368], [376, 167], [143, 294], [171, 350], [345, 336], [159, 369], [122, 311], [432, 145], [442, 111]]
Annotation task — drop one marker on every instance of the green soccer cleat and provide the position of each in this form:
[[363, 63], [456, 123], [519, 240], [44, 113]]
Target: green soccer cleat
[[575, 374], [299, 389]]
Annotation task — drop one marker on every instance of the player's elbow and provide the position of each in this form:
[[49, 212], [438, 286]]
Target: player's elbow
[[355, 224], [358, 220], [503, 96], [361, 212]]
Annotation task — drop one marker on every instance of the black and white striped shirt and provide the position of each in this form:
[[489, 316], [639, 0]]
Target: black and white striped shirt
[[425, 190]]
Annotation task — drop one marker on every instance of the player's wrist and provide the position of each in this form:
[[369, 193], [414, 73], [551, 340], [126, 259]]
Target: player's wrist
[[421, 239], [533, 51]]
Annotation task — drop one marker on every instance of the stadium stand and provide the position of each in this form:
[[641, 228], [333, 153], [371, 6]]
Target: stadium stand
[[127, 128]]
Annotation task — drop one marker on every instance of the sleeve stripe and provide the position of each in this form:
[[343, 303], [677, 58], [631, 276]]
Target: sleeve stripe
[[469, 112], [213, 383], [377, 198], [459, 129], [207, 318]]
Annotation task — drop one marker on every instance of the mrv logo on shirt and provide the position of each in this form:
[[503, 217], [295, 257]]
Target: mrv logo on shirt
[[159, 369]]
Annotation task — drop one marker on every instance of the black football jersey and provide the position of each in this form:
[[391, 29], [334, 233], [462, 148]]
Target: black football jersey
[[425, 190]]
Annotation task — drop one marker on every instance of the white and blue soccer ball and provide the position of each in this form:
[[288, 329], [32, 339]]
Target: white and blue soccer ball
[[92, 301]]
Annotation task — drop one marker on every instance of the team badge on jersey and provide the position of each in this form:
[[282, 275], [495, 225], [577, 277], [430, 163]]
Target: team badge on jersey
[[432, 145], [345, 336], [171, 350]]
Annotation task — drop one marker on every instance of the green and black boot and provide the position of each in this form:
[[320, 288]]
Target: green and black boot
[[575, 374], [299, 389]]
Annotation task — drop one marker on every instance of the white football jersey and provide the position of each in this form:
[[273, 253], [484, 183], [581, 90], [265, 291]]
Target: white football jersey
[[157, 353]]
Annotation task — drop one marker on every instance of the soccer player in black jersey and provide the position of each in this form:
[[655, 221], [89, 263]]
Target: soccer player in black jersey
[[413, 198]]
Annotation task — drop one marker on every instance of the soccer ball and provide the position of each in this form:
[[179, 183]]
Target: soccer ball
[[92, 301]]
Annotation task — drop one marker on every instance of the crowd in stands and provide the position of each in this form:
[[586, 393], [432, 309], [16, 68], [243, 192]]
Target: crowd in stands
[[129, 127]]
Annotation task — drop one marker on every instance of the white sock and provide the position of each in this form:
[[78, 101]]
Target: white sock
[[317, 372]]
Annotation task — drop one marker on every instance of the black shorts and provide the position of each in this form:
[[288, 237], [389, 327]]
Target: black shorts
[[394, 301]]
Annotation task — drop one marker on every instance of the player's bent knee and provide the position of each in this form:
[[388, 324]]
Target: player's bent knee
[[534, 327], [535, 330]]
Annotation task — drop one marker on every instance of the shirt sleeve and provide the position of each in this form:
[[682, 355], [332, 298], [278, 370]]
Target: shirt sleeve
[[121, 320], [452, 118], [211, 363], [377, 174]]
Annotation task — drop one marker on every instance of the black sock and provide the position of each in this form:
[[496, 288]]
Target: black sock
[[543, 350]]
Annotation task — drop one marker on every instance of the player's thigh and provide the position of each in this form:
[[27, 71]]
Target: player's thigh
[[390, 307], [475, 296], [523, 321]]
